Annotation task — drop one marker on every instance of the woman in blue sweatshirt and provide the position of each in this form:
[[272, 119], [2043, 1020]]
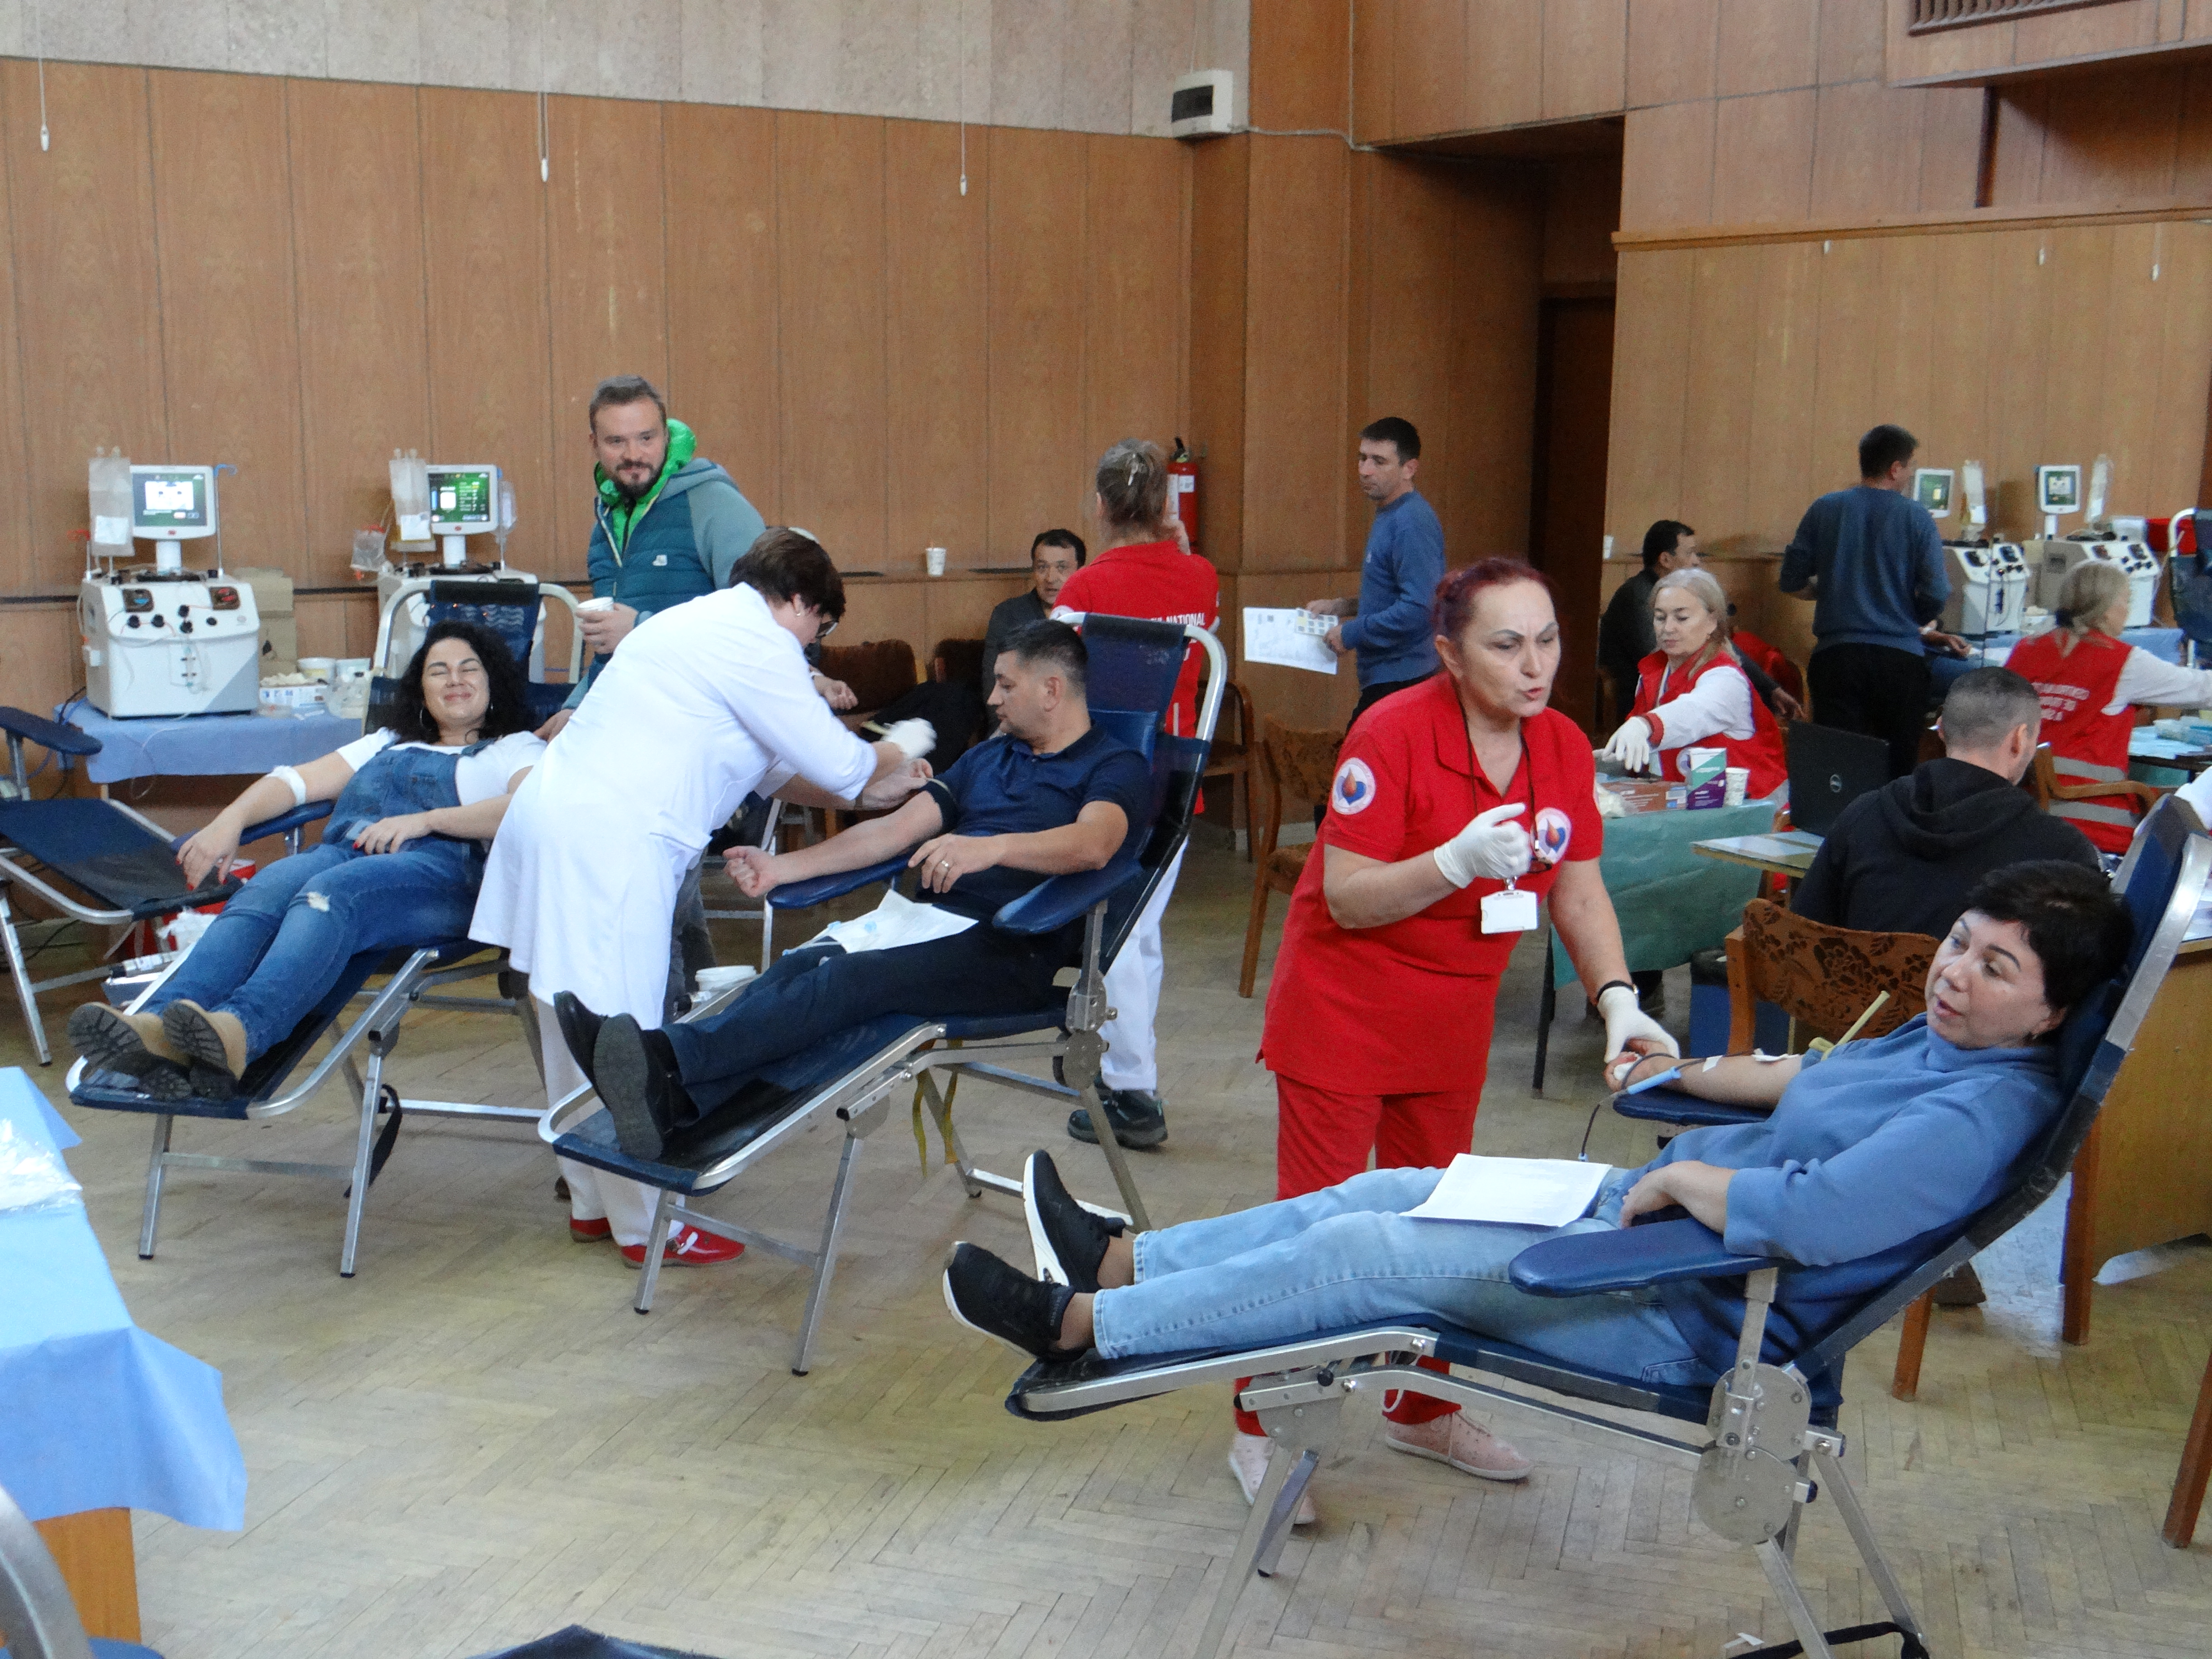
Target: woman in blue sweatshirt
[[1866, 1152]]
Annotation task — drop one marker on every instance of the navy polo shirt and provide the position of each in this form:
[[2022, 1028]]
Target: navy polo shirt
[[1002, 787]]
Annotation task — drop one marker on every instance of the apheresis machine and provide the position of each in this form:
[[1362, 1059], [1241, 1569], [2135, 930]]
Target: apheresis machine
[[162, 639], [438, 505], [2121, 542], [1989, 580]]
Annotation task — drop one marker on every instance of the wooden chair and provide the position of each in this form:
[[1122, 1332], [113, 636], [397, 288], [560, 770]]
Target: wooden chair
[[2043, 783], [1305, 761], [1822, 977], [1232, 758], [2195, 1465]]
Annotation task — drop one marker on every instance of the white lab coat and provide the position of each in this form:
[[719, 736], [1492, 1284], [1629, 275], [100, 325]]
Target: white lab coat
[[703, 703]]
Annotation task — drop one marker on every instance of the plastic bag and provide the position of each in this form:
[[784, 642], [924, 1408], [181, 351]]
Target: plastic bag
[[32, 1177]]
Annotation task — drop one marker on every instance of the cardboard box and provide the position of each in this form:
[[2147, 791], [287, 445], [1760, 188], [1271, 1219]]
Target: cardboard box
[[280, 645], [272, 597]]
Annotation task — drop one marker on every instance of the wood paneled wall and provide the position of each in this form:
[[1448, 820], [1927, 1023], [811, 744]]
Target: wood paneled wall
[[1744, 375], [2111, 29], [299, 276]]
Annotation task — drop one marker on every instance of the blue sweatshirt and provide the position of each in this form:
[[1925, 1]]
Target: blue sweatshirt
[[1879, 560], [1405, 562], [1870, 1152]]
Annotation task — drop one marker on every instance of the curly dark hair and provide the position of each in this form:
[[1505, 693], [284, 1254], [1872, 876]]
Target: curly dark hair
[[411, 719]]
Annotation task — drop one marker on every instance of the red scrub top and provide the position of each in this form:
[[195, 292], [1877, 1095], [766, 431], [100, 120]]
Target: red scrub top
[[1407, 1008], [1155, 581]]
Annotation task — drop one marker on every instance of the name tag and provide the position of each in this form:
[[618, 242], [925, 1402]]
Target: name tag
[[658, 560], [1509, 912]]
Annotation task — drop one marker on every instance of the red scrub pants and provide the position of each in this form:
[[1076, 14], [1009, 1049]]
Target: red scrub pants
[[1323, 1137]]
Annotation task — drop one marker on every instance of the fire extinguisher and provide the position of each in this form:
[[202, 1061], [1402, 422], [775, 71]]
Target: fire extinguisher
[[1182, 481]]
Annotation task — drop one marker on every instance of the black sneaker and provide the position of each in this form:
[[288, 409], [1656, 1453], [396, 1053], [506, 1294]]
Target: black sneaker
[[986, 1294], [1070, 1241], [580, 1030], [1139, 1119], [639, 1084]]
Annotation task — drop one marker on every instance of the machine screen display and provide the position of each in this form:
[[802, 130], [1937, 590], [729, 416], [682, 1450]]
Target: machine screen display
[[1931, 487], [169, 500], [2058, 489], [461, 498]]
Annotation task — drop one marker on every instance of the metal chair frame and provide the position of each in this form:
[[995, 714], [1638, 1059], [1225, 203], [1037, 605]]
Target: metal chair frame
[[1769, 1448], [861, 1095]]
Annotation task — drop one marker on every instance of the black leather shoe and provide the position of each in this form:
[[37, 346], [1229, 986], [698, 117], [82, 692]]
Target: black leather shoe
[[987, 1295], [1139, 1119], [580, 1030], [1069, 1240], [639, 1084]]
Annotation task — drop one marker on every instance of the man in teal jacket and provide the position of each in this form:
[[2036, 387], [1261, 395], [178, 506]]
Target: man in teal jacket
[[667, 526]]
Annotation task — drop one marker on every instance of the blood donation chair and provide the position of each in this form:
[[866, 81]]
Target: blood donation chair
[[1134, 667], [96, 861], [1769, 1445], [414, 976]]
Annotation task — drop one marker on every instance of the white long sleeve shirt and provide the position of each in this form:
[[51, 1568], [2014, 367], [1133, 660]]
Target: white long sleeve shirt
[[1718, 705], [2147, 679]]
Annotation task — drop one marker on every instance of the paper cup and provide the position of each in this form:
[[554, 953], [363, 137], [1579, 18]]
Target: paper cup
[[595, 607], [934, 558], [1738, 780]]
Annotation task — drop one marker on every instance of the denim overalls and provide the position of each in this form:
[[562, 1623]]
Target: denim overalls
[[280, 944]]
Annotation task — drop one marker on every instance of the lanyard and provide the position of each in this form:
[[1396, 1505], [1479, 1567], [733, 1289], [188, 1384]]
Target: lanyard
[[1475, 777]]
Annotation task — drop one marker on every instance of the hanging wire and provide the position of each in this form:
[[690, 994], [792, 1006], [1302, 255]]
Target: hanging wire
[[544, 141], [39, 45], [963, 49]]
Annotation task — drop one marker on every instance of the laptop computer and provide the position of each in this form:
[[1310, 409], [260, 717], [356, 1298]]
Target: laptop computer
[[1828, 771]]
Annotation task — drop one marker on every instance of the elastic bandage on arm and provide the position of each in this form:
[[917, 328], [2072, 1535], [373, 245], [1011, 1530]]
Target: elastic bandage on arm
[[290, 778]]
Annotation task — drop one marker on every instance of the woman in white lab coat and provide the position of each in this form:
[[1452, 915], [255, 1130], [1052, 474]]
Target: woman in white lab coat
[[703, 704]]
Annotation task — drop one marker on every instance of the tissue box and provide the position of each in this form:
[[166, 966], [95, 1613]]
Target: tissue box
[[1704, 777]]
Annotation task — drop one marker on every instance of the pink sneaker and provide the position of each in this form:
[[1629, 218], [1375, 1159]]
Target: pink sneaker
[[1458, 1440], [688, 1247], [1248, 1462]]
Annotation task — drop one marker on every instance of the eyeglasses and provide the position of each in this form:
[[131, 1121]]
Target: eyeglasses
[[824, 627]]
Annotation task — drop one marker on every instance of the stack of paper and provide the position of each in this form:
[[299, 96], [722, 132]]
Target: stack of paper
[[1520, 1192]]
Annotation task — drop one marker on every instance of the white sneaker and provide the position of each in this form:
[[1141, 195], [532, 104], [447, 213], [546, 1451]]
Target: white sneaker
[[1458, 1440], [1248, 1462]]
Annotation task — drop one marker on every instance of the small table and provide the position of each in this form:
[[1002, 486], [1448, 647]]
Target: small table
[[202, 746], [2149, 754], [100, 1418], [1785, 852]]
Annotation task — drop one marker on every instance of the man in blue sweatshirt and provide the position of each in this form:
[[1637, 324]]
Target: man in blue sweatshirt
[[1388, 624], [1871, 560], [1868, 1158]]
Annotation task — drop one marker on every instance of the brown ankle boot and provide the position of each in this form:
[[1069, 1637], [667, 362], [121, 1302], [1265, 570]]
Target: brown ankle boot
[[214, 1039]]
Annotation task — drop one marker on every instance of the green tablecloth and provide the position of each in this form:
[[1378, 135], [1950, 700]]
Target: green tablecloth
[[1671, 901]]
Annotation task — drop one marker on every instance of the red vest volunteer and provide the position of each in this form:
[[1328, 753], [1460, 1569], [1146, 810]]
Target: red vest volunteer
[[1707, 707]]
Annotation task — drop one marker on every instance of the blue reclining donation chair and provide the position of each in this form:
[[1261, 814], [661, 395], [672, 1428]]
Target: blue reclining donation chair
[[95, 862], [1134, 667], [414, 975], [1769, 1443]]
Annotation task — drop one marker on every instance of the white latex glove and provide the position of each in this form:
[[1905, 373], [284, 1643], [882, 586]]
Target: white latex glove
[[1631, 744], [911, 737], [1626, 1023], [1489, 845]]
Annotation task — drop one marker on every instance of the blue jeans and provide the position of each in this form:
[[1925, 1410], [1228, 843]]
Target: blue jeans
[[279, 946], [1348, 1256]]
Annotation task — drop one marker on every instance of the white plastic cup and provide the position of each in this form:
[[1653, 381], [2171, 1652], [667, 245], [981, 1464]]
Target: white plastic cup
[[1739, 782], [934, 558], [595, 607]]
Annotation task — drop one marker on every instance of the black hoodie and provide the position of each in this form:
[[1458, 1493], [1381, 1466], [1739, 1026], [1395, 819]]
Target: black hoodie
[[1903, 858]]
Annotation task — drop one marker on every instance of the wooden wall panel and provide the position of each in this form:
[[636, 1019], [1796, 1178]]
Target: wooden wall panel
[[1585, 57], [2185, 349], [1503, 63], [1133, 350], [1718, 434], [2020, 334], [1671, 49], [1408, 318], [1299, 72], [1781, 287], [1650, 372], [2112, 137], [1902, 346], [722, 341], [1763, 158], [1496, 276], [937, 335], [1582, 209], [1959, 269], [2077, 278], [88, 301], [1844, 405], [1430, 73], [364, 380], [484, 247], [19, 571], [1374, 106], [2133, 329], [1850, 46], [606, 225], [830, 286], [1041, 475], [1766, 46], [1950, 149], [1220, 186], [1667, 167], [1296, 325], [1860, 170]]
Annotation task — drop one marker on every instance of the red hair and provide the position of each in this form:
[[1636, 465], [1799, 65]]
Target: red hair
[[1456, 594]]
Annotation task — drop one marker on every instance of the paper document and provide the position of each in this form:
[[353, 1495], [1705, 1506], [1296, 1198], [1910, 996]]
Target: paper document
[[898, 921], [1288, 639], [1520, 1192]]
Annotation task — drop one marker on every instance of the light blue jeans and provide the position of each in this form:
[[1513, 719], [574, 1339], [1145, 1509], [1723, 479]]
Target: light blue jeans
[[1348, 1256]]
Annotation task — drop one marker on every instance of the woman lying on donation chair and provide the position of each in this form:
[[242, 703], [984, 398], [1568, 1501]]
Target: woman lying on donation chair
[[400, 860], [1866, 1150]]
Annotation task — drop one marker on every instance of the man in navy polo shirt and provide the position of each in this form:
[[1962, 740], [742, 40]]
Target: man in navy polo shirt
[[1049, 795]]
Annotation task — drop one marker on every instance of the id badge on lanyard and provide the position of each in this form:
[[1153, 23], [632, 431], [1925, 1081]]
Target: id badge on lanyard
[[1513, 911], [1509, 912]]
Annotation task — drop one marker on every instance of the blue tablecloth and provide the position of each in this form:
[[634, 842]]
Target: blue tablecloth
[[1672, 902], [94, 1413], [204, 745]]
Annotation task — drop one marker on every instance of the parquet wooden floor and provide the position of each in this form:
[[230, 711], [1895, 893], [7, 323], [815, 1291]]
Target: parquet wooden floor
[[476, 1441]]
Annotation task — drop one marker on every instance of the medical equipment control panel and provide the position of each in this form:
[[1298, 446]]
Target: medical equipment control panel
[[159, 645], [1990, 583], [2052, 559]]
